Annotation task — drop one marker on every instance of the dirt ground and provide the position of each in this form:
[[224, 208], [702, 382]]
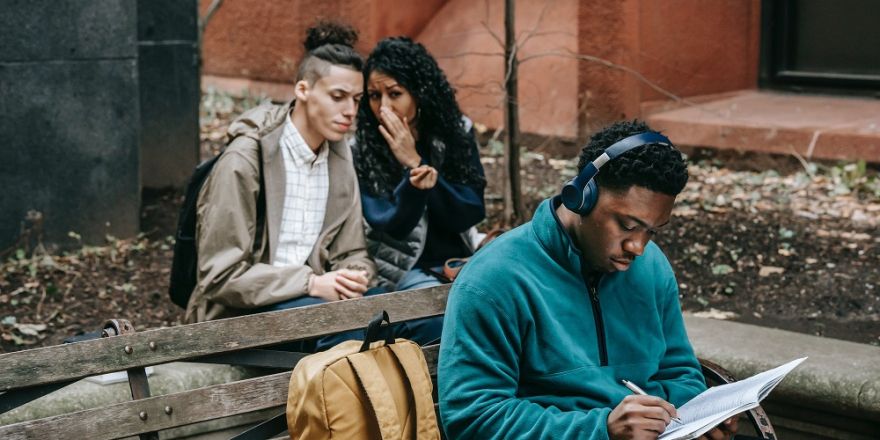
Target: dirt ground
[[759, 239], [754, 239]]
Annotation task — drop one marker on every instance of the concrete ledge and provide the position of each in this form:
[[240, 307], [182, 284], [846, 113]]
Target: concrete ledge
[[835, 393], [84, 394], [821, 127]]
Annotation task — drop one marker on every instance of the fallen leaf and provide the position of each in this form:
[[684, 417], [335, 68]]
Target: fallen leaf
[[685, 212], [770, 270], [17, 340], [721, 269], [716, 314], [48, 262], [30, 329], [855, 236]]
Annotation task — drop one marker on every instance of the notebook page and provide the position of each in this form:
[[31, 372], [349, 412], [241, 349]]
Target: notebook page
[[720, 402], [690, 430], [779, 373], [734, 395], [718, 399]]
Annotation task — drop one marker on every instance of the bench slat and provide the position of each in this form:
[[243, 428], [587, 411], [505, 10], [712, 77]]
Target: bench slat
[[81, 359], [187, 407], [122, 419]]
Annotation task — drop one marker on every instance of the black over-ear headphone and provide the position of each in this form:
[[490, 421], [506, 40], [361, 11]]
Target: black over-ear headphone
[[579, 195]]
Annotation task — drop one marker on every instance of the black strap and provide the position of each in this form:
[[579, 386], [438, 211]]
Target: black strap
[[268, 429], [371, 333], [261, 204], [439, 276]]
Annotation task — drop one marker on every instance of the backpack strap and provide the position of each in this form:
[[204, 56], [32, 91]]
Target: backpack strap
[[261, 204], [378, 394], [414, 366]]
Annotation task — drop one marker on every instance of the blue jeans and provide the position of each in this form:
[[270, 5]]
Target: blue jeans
[[421, 331], [419, 279]]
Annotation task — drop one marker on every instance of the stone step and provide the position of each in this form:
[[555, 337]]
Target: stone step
[[813, 126]]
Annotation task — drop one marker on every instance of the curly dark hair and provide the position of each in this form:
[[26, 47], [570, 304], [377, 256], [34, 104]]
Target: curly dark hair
[[440, 119], [328, 44], [659, 168]]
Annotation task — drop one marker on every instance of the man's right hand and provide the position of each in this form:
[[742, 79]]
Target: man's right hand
[[339, 284], [640, 417]]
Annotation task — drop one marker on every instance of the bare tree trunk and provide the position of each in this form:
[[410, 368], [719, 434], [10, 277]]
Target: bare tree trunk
[[513, 206]]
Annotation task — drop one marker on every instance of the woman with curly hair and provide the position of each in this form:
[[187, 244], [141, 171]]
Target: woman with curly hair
[[418, 167]]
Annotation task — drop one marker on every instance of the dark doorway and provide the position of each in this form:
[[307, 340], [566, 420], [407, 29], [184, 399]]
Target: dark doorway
[[821, 45]]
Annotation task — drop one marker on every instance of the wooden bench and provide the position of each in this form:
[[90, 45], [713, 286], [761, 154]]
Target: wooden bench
[[27, 375]]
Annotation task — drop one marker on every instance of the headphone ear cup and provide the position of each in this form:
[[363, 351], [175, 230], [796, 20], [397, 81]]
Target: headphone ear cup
[[591, 195]]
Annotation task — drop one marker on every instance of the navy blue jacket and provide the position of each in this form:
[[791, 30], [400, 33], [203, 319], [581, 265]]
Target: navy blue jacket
[[452, 208]]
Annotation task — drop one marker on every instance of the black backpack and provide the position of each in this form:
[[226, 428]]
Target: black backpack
[[185, 262]]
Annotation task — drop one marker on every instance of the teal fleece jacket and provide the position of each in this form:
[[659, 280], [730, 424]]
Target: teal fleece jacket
[[528, 352]]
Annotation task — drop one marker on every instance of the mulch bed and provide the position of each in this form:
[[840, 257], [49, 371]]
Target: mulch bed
[[759, 239]]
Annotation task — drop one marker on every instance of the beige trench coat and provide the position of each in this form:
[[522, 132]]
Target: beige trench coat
[[232, 276]]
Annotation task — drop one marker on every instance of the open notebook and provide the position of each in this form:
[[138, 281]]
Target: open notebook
[[719, 403]]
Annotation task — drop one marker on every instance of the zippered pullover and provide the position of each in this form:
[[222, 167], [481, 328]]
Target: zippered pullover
[[527, 353]]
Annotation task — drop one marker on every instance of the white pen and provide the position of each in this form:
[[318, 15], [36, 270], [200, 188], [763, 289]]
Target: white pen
[[635, 389]]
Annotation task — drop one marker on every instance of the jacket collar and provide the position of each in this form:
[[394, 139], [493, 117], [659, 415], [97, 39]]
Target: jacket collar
[[298, 150], [275, 177], [553, 236]]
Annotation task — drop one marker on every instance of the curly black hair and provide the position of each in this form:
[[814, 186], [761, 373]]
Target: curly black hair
[[657, 167], [328, 44], [440, 118]]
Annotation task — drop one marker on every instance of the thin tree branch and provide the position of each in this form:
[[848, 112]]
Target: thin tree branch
[[593, 59], [212, 9], [545, 33], [460, 34], [498, 86], [531, 33], [493, 34], [464, 54], [803, 162]]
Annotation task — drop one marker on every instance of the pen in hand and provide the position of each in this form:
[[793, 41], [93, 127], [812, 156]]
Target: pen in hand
[[635, 389]]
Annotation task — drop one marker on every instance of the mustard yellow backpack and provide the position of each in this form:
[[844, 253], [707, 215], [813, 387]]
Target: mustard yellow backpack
[[363, 390]]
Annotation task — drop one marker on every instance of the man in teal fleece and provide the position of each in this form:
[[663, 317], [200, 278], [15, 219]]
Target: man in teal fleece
[[544, 322]]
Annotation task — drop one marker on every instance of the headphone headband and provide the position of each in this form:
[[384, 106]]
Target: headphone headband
[[580, 193]]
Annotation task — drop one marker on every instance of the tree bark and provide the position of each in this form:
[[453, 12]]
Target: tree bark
[[514, 210]]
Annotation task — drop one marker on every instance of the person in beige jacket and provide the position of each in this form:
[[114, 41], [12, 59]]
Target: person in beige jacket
[[297, 249]]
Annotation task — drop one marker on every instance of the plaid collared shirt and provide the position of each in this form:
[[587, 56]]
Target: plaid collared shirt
[[305, 197]]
